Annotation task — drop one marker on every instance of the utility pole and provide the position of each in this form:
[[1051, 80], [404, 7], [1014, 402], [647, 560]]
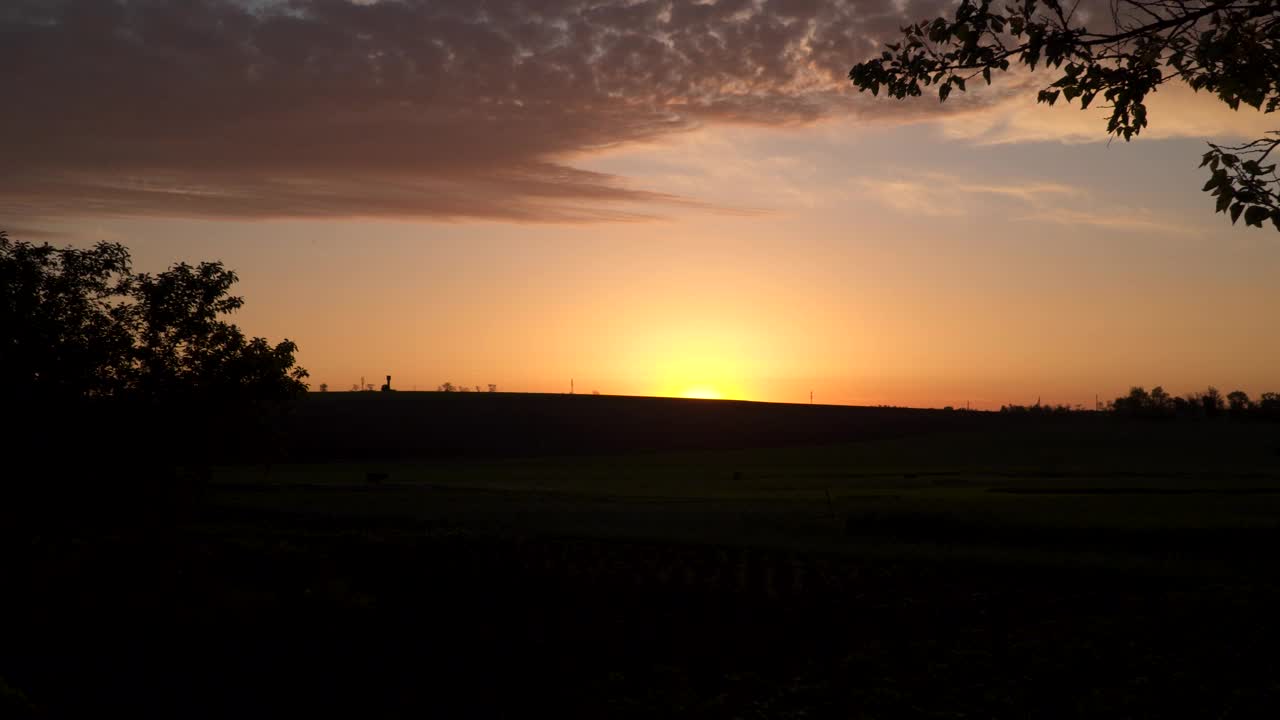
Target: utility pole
[[810, 397], [570, 386]]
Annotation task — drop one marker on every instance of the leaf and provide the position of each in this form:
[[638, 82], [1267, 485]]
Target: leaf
[[986, 74], [943, 92], [1255, 215], [1224, 199], [1235, 212]]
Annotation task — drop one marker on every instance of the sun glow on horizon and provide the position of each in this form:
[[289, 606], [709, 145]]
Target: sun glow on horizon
[[702, 392], [706, 354]]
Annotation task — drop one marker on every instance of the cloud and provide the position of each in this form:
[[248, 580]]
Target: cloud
[[1116, 218], [450, 109], [944, 195], [31, 234], [442, 109], [940, 194], [912, 197], [1032, 192]]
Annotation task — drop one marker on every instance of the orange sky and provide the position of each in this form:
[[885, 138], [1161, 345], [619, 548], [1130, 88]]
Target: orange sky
[[681, 231]]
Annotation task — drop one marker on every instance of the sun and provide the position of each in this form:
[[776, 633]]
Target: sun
[[695, 363], [701, 392]]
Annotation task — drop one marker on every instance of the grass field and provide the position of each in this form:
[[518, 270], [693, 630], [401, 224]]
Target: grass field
[[1090, 481], [980, 568]]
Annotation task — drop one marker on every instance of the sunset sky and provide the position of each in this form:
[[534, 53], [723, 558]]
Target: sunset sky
[[651, 198]]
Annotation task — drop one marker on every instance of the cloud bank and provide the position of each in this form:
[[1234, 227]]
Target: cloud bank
[[440, 109], [445, 109]]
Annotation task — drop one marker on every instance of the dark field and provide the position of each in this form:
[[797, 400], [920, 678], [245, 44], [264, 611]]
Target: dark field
[[329, 426], [494, 561]]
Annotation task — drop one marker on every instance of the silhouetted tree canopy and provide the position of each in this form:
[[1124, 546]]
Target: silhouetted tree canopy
[[1228, 47], [95, 355], [1208, 404], [1238, 403]]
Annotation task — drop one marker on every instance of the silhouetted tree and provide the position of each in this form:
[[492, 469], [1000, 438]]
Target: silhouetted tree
[[324, 387], [1268, 405], [1160, 401], [1134, 404], [1238, 403], [1228, 47], [64, 339], [1185, 407], [1155, 404], [98, 358], [1211, 402]]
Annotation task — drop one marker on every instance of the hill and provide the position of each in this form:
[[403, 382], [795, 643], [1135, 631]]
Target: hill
[[328, 426]]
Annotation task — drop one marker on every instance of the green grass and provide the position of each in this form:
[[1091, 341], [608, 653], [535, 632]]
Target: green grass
[[1101, 488]]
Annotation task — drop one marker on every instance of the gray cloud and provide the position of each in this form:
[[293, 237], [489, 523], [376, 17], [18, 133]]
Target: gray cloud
[[451, 109]]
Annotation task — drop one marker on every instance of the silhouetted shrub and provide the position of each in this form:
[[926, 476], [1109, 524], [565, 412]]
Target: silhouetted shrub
[[1036, 410]]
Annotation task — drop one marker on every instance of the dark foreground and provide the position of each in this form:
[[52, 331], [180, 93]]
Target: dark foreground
[[979, 574]]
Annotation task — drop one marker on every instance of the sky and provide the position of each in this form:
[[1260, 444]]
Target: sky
[[649, 198]]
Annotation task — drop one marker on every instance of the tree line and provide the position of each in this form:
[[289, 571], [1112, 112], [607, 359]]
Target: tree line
[[1158, 403], [1210, 403]]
